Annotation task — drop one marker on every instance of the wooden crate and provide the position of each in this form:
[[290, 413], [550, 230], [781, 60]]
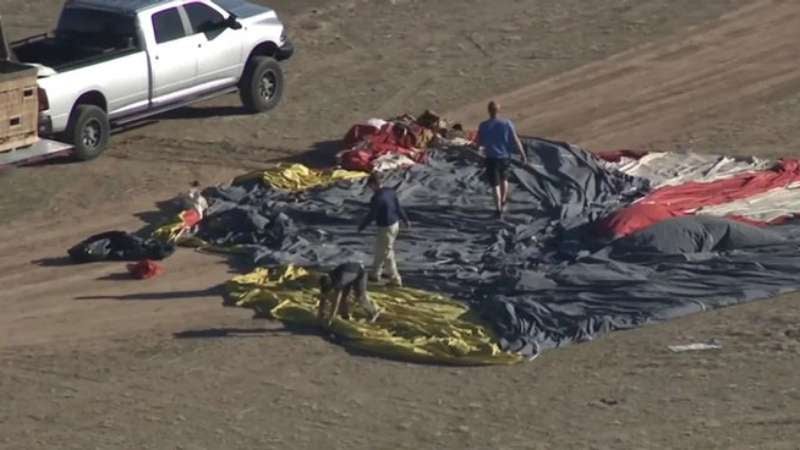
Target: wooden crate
[[19, 106]]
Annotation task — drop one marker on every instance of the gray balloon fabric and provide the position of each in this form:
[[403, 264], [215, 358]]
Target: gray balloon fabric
[[695, 234], [539, 276]]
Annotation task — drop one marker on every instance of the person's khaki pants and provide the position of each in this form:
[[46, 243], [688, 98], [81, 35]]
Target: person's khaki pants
[[384, 254]]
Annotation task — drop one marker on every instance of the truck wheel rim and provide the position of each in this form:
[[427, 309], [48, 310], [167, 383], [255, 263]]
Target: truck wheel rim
[[91, 134], [266, 86]]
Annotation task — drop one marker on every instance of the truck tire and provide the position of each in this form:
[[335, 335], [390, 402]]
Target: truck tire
[[261, 86], [88, 131]]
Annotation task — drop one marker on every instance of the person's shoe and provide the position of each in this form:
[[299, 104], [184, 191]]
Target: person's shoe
[[498, 215]]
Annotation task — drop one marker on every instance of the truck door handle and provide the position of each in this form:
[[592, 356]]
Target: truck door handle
[[199, 45]]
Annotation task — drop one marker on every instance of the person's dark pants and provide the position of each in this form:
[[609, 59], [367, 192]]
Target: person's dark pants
[[497, 170]]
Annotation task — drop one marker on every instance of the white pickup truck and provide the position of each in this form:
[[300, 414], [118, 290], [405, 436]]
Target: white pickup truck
[[112, 62]]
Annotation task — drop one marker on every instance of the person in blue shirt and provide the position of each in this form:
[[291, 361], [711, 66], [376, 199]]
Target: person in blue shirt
[[498, 139], [385, 211]]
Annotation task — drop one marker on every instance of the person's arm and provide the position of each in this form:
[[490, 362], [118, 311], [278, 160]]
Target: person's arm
[[373, 210], [337, 300], [323, 304], [517, 142], [479, 149], [401, 212], [521, 149]]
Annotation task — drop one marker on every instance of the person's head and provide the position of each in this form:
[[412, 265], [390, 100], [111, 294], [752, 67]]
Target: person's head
[[374, 181], [493, 109]]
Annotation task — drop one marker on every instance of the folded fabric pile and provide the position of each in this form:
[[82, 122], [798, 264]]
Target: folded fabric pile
[[119, 246], [379, 145]]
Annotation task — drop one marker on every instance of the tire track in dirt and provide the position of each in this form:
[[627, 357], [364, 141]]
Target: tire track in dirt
[[200, 152], [657, 90]]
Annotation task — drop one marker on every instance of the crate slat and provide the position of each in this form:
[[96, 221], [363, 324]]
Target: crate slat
[[18, 142]]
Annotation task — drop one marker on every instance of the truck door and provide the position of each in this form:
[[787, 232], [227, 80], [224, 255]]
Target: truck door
[[219, 58], [173, 55]]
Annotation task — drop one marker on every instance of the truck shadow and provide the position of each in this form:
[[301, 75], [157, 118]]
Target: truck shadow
[[202, 112]]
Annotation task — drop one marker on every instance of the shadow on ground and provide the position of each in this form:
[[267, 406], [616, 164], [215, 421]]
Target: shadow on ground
[[120, 276], [218, 333], [191, 113], [250, 333], [60, 261], [322, 155], [166, 211], [216, 291]]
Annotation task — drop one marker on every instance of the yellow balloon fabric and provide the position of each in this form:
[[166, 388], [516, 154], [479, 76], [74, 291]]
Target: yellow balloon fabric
[[298, 178], [414, 325]]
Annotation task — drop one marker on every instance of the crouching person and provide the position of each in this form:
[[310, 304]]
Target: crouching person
[[335, 289]]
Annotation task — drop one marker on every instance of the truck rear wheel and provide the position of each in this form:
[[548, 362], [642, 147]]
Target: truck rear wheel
[[88, 131], [261, 87]]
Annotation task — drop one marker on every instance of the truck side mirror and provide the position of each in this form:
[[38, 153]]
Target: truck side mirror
[[232, 23]]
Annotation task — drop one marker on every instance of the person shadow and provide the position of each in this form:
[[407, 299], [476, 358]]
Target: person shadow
[[214, 291], [245, 333]]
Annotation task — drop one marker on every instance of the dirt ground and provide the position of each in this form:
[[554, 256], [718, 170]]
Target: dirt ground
[[90, 360]]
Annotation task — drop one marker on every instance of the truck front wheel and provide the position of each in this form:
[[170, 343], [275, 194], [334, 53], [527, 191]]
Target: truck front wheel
[[261, 87], [88, 131]]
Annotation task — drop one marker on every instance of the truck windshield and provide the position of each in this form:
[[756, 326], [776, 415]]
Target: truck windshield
[[85, 23]]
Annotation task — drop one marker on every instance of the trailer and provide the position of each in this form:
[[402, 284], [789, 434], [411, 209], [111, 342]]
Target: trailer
[[20, 142]]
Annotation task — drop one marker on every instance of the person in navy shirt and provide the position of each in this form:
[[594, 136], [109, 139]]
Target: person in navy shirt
[[385, 211], [498, 138]]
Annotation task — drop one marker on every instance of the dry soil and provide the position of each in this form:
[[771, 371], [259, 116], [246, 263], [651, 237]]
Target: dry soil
[[91, 360]]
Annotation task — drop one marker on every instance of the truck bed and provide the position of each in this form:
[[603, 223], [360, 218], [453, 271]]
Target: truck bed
[[62, 54]]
